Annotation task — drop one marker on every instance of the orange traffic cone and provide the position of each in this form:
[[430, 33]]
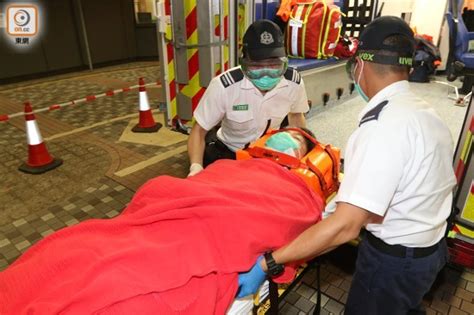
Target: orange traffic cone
[[146, 122], [39, 160]]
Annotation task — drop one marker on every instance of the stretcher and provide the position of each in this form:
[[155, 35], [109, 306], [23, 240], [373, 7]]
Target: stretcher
[[320, 169], [266, 301], [184, 255]]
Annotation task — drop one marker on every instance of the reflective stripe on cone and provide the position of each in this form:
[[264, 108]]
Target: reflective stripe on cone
[[146, 121], [39, 159]]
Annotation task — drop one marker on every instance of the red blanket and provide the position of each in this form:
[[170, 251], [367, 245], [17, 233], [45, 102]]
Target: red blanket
[[176, 249]]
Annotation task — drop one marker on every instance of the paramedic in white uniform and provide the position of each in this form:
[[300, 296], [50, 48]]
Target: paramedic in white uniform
[[398, 183], [248, 99]]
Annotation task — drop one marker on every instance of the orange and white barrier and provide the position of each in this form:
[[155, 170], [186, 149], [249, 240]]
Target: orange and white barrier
[[39, 159], [89, 98], [147, 122]]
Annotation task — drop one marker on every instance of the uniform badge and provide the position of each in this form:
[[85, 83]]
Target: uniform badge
[[240, 107], [266, 38]]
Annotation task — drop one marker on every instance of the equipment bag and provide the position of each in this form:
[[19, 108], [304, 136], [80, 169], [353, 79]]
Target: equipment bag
[[332, 31], [346, 47], [427, 58], [313, 29]]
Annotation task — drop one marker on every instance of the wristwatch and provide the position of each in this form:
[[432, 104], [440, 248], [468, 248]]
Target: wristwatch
[[274, 269]]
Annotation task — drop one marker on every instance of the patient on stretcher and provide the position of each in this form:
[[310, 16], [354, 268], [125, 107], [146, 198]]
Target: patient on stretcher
[[291, 141], [178, 247]]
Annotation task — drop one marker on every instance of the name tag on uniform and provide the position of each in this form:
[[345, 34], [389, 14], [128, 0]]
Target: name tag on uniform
[[240, 107]]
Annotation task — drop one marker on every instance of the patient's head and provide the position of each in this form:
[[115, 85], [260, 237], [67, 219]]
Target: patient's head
[[291, 142]]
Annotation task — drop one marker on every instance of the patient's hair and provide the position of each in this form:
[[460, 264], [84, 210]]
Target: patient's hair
[[309, 144]]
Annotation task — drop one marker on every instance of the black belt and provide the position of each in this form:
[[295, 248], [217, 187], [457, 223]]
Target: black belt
[[399, 250]]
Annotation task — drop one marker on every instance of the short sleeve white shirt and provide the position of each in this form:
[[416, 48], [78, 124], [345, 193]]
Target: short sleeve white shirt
[[243, 110], [399, 166]]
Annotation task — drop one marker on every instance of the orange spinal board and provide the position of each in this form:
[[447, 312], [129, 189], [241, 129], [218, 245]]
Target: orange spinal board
[[319, 168]]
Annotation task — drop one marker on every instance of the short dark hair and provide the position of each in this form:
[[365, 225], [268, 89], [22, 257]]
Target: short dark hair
[[309, 144], [403, 43]]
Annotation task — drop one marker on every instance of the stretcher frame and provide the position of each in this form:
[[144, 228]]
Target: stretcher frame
[[274, 299], [270, 305]]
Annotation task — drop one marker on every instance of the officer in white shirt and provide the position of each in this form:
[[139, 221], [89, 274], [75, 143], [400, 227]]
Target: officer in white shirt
[[398, 182], [247, 100]]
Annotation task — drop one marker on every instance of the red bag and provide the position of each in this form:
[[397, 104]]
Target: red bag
[[332, 31], [346, 47], [313, 29]]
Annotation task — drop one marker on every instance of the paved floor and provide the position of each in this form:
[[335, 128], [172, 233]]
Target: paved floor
[[104, 164]]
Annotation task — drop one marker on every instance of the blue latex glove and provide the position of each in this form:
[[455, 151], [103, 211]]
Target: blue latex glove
[[250, 281]]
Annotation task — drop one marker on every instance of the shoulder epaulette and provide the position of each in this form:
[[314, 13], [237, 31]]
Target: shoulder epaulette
[[230, 77], [291, 74], [373, 114]]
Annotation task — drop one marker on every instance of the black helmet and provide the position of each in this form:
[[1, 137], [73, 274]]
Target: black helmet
[[262, 40]]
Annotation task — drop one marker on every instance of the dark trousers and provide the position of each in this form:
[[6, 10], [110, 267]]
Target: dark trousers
[[385, 284], [215, 149]]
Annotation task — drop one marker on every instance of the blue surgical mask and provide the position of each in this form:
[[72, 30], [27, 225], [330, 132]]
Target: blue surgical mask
[[265, 83], [357, 85], [282, 142]]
